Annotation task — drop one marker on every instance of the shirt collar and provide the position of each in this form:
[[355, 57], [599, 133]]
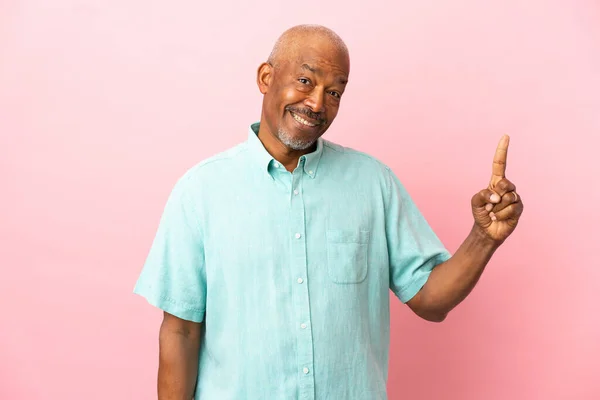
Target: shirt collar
[[260, 155]]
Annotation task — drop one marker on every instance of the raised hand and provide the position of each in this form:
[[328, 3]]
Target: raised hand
[[498, 208]]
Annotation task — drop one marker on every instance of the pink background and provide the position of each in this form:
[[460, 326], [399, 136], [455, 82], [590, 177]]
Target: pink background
[[102, 108]]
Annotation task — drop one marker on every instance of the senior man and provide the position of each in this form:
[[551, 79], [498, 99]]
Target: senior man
[[274, 259]]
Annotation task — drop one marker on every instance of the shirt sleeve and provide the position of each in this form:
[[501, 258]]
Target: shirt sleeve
[[414, 249], [173, 277]]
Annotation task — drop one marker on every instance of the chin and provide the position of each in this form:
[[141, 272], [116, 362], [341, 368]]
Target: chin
[[295, 141]]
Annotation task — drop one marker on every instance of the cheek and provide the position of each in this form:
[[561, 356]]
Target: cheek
[[290, 96], [332, 110]]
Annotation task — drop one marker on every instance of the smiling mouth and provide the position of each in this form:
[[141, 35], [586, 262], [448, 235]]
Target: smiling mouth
[[304, 121]]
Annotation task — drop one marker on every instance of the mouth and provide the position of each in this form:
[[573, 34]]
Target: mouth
[[305, 121]]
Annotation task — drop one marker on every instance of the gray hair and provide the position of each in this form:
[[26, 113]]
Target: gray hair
[[292, 37]]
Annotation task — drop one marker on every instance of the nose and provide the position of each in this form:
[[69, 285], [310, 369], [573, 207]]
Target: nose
[[315, 100]]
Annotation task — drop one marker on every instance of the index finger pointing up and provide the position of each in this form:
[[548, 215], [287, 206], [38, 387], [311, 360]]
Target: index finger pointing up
[[499, 165]]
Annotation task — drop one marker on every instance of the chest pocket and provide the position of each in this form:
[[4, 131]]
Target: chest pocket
[[347, 253]]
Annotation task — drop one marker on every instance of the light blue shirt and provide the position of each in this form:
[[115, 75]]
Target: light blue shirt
[[290, 272]]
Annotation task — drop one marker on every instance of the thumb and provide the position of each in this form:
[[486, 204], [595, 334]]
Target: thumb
[[483, 197]]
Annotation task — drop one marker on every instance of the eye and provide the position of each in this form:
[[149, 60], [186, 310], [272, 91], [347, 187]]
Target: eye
[[304, 81], [337, 95]]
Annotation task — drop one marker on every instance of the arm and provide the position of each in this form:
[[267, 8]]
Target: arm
[[496, 211], [451, 282], [174, 280], [179, 343]]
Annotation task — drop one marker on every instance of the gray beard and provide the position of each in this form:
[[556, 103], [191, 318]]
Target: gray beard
[[293, 143]]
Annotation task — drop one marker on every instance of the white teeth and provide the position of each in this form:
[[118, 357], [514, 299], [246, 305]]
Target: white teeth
[[302, 120]]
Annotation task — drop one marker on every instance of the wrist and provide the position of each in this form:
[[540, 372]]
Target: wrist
[[481, 239]]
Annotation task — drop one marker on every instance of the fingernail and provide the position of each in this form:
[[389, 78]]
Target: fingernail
[[494, 198], [488, 207], [492, 216]]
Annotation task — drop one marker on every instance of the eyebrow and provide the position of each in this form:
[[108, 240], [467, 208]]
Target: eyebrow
[[315, 70], [311, 69]]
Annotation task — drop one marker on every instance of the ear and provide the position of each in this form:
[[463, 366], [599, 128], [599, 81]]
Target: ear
[[264, 77]]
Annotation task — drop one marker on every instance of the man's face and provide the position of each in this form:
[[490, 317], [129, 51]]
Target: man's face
[[304, 94]]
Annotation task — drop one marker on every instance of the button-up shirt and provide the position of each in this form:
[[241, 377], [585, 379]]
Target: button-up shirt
[[290, 272]]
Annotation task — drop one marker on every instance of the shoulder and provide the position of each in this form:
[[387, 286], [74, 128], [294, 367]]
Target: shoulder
[[209, 172], [366, 167], [212, 167], [348, 156]]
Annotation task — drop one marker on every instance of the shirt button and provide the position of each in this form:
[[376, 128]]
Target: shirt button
[[310, 172], [305, 370], [296, 192], [303, 326], [300, 280], [276, 165], [298, 236]]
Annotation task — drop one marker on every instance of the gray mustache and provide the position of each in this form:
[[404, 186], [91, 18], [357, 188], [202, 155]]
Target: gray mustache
[[302, 111]]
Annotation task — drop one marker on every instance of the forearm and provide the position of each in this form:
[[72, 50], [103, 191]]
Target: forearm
[[178, 365], [452, 281]]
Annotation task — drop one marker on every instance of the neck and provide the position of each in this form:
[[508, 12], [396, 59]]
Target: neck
[[280, 152]]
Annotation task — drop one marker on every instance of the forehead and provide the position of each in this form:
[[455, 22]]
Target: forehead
[[318, 57]]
